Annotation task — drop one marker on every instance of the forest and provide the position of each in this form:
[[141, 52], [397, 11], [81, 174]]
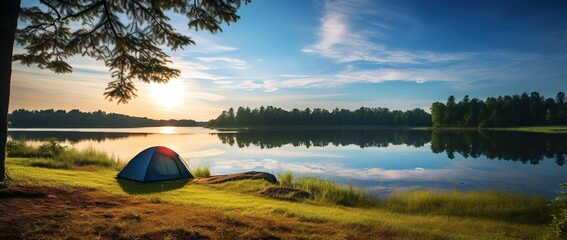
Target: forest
[[503, 111], [50, 118], [273, 116]]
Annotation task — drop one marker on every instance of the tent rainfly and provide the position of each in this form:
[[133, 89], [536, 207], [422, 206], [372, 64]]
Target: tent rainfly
[[155, 164]]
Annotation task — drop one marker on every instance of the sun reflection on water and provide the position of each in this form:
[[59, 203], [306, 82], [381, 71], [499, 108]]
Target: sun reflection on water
[[167, 130]]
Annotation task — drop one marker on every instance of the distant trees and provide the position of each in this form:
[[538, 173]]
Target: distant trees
[[503, 111], [272, 116], [75, 118]]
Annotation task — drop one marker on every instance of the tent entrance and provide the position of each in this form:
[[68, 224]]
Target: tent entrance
[[162, 167]]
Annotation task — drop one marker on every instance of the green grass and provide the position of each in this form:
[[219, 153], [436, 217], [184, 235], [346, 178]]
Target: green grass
[[239, 197], [328, 192], [540, 129], [201, 171], [51, 154], [483, 205]]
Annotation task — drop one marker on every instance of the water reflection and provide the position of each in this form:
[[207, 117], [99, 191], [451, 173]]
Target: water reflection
[[72, 137], [502, 145], [323, 138], [167, 130]]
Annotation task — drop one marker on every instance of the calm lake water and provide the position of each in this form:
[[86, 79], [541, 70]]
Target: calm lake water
[[380, 161]]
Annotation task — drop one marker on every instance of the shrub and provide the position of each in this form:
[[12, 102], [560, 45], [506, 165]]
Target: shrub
[[558, 227], [51, 154]]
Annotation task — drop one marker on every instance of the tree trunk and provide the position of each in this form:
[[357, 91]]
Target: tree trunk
[[9, 10]]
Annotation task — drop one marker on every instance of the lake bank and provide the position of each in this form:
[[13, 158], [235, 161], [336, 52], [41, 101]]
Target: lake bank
[[535, 129], [246, 206]]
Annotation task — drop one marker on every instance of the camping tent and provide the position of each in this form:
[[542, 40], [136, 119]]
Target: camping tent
[[155, 164]]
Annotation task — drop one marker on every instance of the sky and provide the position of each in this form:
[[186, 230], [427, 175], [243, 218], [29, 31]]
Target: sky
[[325, 54]]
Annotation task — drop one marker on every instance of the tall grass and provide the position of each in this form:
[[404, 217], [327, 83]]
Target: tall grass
[[487, 204], [201, 171], [51, 154], [328, 192], [20, 148]]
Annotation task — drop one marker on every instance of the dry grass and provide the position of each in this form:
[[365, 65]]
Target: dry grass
[[33, 212]]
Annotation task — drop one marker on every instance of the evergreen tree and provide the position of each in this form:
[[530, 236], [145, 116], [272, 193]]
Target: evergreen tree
[[125, 34]]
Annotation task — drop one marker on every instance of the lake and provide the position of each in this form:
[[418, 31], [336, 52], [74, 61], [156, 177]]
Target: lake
[[378, 160]]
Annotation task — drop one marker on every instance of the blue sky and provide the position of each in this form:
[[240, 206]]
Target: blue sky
[[327, 54]]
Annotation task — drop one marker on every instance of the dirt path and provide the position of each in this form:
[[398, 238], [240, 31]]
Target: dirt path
[[28, 212]]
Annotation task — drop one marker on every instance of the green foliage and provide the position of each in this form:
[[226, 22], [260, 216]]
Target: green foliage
[[503, 111], [126, 34], [490, 204], [558, 227], [51, 154], [76, 118], [272, 116], [51, 148], [200, 171], [328, 192]]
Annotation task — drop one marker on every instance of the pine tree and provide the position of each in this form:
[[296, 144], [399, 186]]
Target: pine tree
[[127, 35]]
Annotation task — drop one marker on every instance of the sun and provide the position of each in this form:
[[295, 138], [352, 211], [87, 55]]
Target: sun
[[168, 95]]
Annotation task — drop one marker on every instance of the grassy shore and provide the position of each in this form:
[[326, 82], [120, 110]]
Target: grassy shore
[[418, 215], [539, 129]]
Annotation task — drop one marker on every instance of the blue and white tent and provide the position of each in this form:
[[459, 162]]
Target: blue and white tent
[[155, 164]]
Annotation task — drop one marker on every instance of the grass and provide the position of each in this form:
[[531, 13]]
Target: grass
[[201, 171], [410, 216], [51, 154], [328, 192], [482, 205], [540, 129]]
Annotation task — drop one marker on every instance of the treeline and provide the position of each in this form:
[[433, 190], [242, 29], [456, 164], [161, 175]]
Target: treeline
[[50, 118], [272, 116], [502, 111]]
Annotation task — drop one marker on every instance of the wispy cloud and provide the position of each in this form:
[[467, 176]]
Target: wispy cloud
[[342, 78], [376, 174], [233, 63], [340, 40]]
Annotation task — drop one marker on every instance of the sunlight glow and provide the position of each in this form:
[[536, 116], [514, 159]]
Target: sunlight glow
[[167, 130], [168, 95]]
